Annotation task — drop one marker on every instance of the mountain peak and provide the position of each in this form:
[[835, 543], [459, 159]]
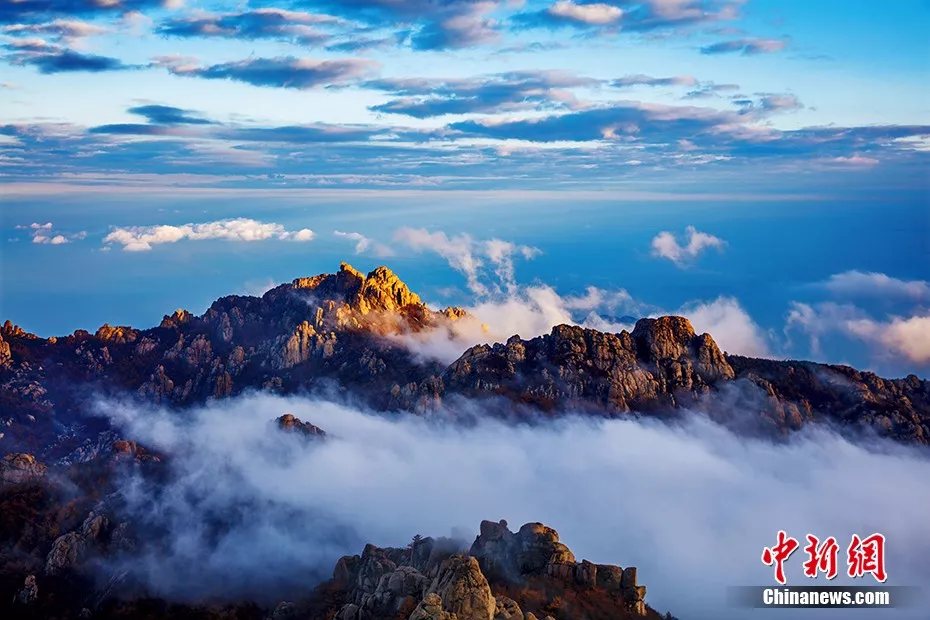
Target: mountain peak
[[349, 269], [664, 337], [381, 290]]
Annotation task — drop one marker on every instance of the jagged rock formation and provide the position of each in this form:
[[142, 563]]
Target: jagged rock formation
[[504, 576], [342, 330], [535, 551], [20, 468], [68, 549], [527, 575], [290, 424], [618, 372], [663, 364]]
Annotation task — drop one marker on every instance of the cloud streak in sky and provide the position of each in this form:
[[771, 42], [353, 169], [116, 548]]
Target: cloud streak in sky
[[280, 71], [871, 284], [907, 336], [168, 115], [505, 92], [894, 337], [143, 238], [67, 30], [646, 80], [594, 14], [746, 47], [264, 23], [50, 58], [365, 245], [46, 10], [641, 16]]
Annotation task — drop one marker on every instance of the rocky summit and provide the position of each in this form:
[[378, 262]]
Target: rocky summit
[[345, 331], [503, 575]]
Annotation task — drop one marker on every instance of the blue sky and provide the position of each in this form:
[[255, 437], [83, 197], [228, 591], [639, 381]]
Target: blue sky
[[618, 138]]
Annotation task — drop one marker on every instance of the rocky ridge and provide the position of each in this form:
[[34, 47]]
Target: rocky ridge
[[663, 366], [338, 331], [314, 333]]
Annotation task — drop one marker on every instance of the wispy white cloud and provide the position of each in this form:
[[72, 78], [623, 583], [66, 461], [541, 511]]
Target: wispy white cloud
[[142, 238], [905, 338], [69, 31], [363, 244], [42, 234], [815, 320], [665, 245], [746, 47], [467, 255], [872, 284], [853, 161], [591, 14], [732, 328], [53, 240]]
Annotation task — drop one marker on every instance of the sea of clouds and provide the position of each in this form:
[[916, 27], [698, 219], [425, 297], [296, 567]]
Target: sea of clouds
[[691, 504]]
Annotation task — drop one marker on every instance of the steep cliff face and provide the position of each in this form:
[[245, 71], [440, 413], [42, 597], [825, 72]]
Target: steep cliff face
[[649, 368], [339, 330]]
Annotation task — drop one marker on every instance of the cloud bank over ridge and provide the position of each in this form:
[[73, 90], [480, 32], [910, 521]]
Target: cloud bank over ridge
[[691, 506]]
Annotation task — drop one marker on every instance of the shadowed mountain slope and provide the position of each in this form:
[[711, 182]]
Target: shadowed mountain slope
[[344, 333]]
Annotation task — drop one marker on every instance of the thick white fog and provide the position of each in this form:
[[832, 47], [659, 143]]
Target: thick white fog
[[691, 506]]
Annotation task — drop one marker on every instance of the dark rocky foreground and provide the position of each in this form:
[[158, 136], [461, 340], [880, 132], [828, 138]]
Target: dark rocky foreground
[[64, 547], [503, 576], [340, 333]]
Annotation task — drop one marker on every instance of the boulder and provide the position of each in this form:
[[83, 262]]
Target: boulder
[[430, 608], [464, 590], [539, 546], [507, 609]]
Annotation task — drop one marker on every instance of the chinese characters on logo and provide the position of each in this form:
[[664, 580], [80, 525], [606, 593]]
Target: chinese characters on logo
[[864, 555]]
